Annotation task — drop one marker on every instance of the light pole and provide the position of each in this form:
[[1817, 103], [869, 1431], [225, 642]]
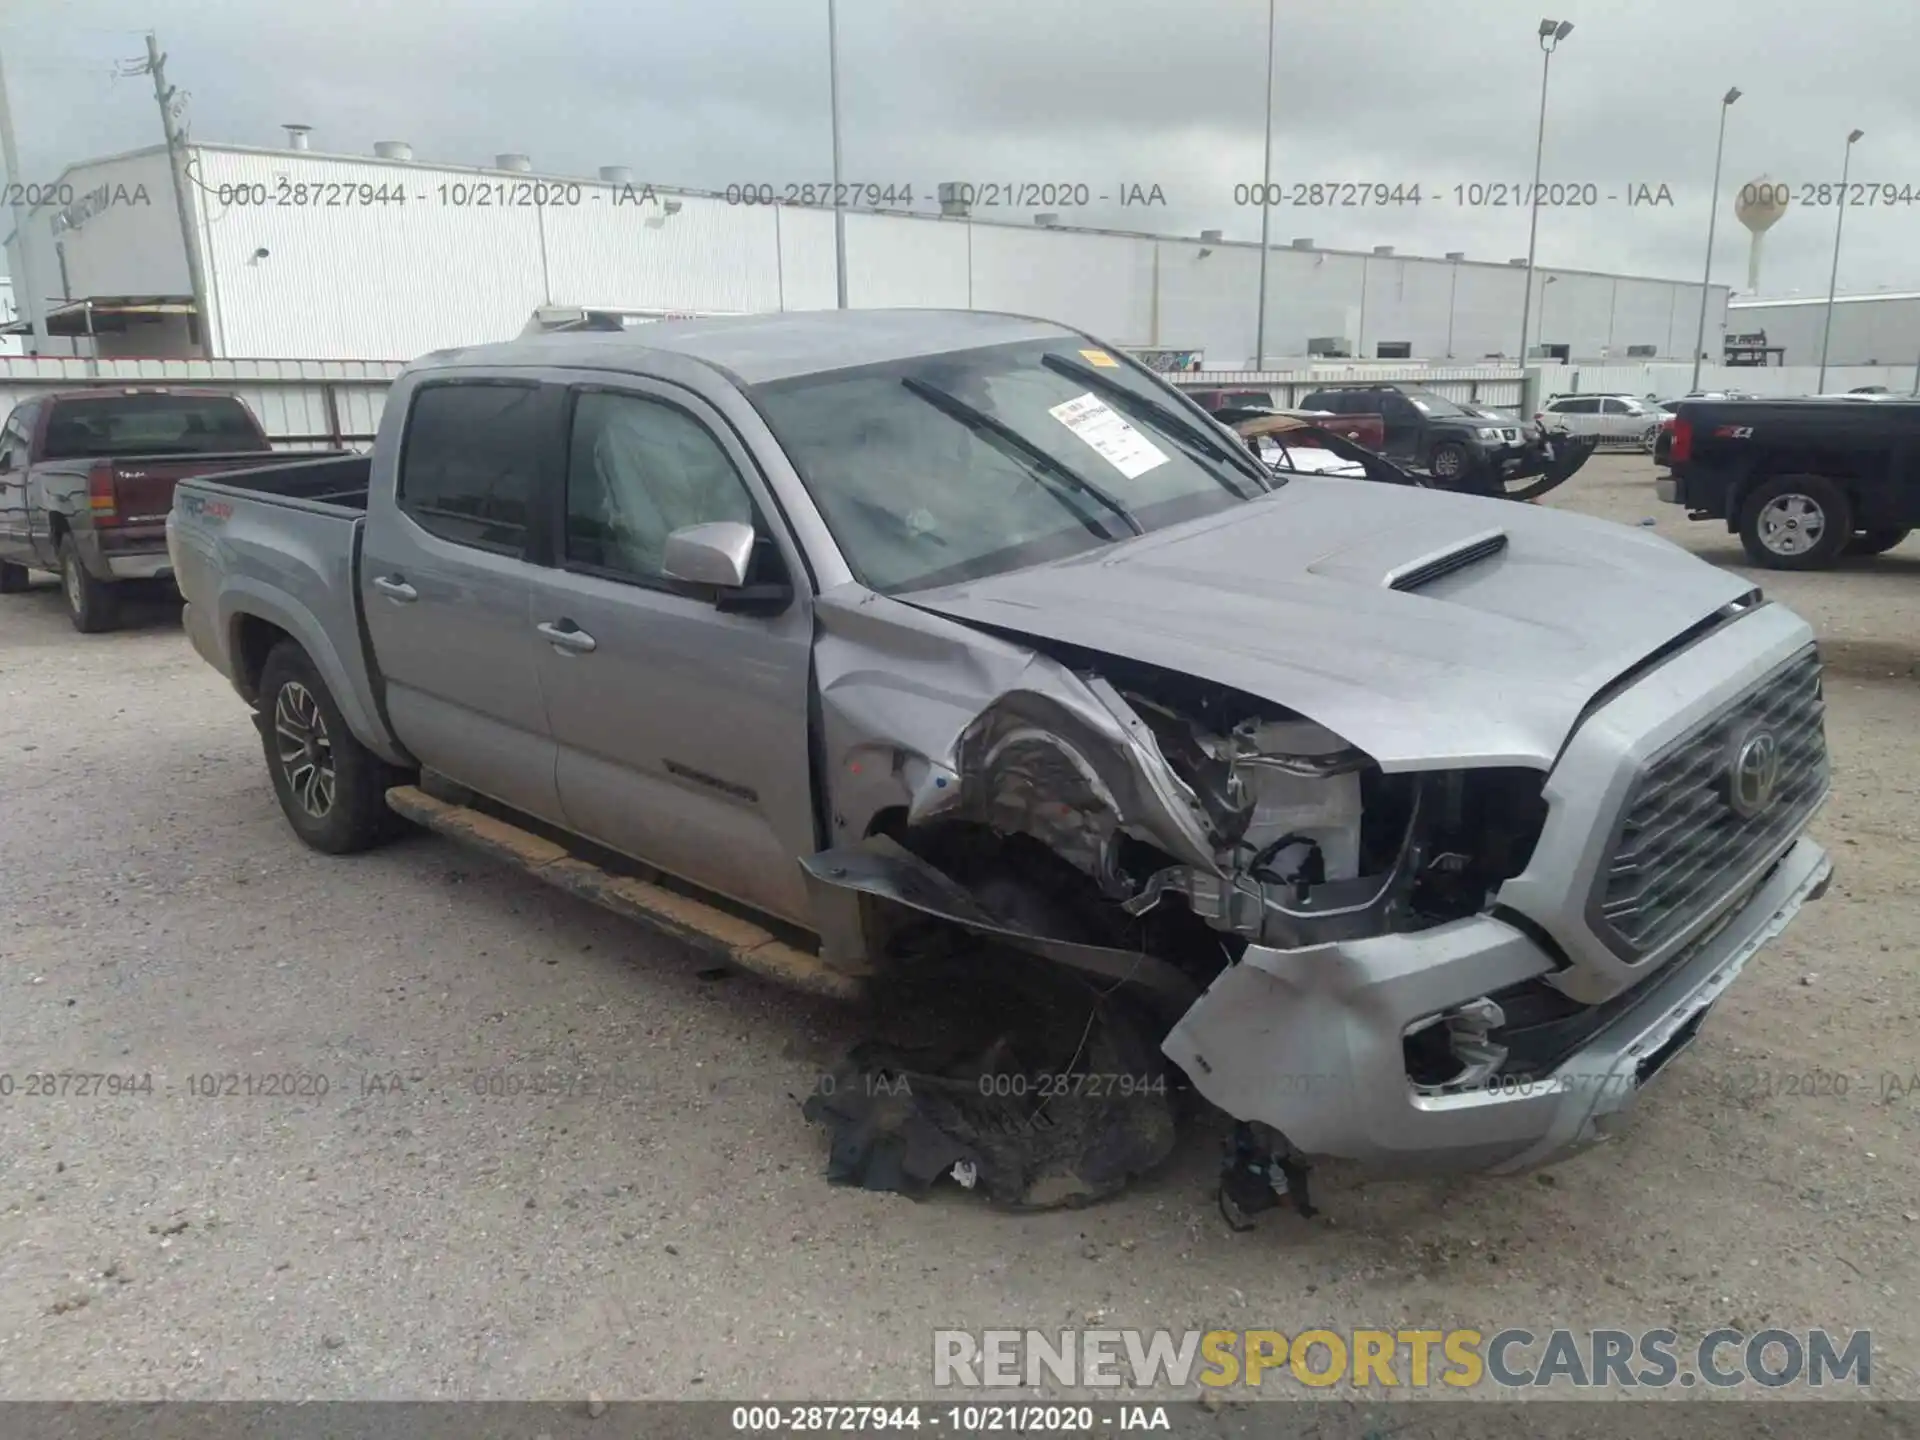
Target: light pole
[[1833, 279], [1540, 336], [1713, 214], [1551, 32], [1266, 210], [839, 194]]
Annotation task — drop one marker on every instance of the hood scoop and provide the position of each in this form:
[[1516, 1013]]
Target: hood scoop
[[1458, 556]]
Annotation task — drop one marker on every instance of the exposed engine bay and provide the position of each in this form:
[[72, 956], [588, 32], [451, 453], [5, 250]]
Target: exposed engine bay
[[1141, 829]]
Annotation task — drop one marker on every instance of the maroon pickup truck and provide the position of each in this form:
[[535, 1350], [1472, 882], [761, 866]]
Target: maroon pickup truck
[[87, 477]]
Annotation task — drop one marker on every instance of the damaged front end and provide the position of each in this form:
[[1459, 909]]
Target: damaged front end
[[1142, 831]]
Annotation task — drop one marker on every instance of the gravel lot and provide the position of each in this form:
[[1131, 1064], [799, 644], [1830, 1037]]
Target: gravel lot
[[667, 1232]]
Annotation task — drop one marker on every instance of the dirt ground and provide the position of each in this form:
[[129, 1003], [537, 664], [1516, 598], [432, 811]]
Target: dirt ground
[[662, 1228]]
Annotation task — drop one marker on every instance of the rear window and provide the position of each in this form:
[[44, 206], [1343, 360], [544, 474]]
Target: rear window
[[99, 427]]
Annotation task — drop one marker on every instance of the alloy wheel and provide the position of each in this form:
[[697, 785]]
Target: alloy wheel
[[304, 748]]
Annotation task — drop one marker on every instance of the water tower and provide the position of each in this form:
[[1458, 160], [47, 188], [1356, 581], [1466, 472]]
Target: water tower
[[1759, 206]]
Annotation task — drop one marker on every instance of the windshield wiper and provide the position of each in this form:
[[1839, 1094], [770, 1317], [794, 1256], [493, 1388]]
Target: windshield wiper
[[1182, 428], [1005, 438]]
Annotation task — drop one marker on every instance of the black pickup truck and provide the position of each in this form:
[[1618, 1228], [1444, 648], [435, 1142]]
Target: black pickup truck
[[1802, 482]]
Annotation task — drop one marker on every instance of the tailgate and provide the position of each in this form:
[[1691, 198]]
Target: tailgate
[[143, 485]]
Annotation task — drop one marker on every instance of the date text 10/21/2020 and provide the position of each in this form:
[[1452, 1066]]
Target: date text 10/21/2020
[[1473, 195]]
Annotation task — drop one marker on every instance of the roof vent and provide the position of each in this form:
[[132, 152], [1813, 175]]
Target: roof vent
[[297, 136], [1210, 237], [617, 174], [512, 162], [1383, 249], [955, 198], [1520, 260], [1048, 218], [393, 150], [1305, 242], [1456, 254]]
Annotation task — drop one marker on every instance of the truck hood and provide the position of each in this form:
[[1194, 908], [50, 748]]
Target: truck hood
[[1289, 598]]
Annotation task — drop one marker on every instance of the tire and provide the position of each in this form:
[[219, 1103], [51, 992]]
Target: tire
[[1796, 522], [1450, 462], [92, 605], [332, 789], [1650, 439], [1879, 541], [13, 578]]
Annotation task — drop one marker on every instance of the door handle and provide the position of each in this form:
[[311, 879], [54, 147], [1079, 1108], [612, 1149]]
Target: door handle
[[395, 587], [571, 638]]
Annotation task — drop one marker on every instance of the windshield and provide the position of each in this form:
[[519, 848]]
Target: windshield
[[942, 468], [1430, 404], [98, 428]]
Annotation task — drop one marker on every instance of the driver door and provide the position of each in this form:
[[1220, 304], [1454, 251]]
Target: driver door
[[681, 728]]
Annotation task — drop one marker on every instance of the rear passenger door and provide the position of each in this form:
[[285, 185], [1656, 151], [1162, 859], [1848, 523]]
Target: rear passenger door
[[446, 590], [1580, 416], [681, 727], [1404, 424]]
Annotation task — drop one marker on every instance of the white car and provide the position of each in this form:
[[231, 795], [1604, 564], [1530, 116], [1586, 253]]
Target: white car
[[1616, 419]]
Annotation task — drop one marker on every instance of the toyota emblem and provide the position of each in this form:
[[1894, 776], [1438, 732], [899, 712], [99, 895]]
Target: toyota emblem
[[1754, 774]]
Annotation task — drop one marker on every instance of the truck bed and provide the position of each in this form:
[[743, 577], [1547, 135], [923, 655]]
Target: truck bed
[[280, 545], [336, 480]]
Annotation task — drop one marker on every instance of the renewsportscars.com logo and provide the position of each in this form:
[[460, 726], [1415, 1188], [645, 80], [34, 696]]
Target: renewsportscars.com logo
[[1400, 1359]]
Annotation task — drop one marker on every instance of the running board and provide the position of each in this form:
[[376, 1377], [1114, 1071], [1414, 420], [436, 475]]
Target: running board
[[713, 931]]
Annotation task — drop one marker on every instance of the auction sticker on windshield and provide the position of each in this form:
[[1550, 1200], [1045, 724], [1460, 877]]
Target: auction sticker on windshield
[[1112, 438], [1100, 358]]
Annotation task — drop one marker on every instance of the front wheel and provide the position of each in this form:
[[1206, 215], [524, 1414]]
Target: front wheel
[[1650, 438], [1878, 541], [1450, 462], [1796, 522], [332, 789], [92, 605]]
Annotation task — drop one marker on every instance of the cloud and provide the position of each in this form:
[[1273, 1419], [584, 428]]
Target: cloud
[[1105, 92]]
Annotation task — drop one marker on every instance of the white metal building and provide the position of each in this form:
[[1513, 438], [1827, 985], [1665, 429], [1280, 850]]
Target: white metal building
[[1881, 329], [301, 258]]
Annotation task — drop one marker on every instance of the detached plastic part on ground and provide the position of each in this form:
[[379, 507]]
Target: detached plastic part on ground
[[1001, 1074]]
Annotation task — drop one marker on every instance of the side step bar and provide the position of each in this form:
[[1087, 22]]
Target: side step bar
[[716, 932]]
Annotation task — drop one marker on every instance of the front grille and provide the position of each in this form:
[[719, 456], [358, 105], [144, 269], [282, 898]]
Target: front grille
[[1682, 846]]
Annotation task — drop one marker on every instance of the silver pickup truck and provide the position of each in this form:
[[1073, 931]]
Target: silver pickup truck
[[1424, 829]]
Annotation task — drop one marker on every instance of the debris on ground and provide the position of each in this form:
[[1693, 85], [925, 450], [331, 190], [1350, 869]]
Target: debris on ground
[[1040, 1088]]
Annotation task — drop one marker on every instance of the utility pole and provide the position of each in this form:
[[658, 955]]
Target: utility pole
[[839, 191], [25, 291], [177, 156], [1266, 210]]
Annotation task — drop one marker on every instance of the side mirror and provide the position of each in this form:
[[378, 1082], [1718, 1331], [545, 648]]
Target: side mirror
[[715, 554]]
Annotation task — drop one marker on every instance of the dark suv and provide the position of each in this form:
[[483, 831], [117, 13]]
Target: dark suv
[[1463, 449]]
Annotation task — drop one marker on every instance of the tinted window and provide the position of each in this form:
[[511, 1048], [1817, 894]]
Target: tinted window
[[638, 470], [97, 427], [468, 472], [1577, 407]]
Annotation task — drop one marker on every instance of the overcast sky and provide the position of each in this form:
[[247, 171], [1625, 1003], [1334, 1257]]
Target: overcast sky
[[1102, 92]]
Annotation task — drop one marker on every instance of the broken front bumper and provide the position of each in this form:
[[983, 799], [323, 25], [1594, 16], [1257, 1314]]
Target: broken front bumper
[[1311, 1041]]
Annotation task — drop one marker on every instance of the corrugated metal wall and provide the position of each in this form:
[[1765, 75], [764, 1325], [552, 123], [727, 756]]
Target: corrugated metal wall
[[131, 246], [354, 280], [1866, 331]]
